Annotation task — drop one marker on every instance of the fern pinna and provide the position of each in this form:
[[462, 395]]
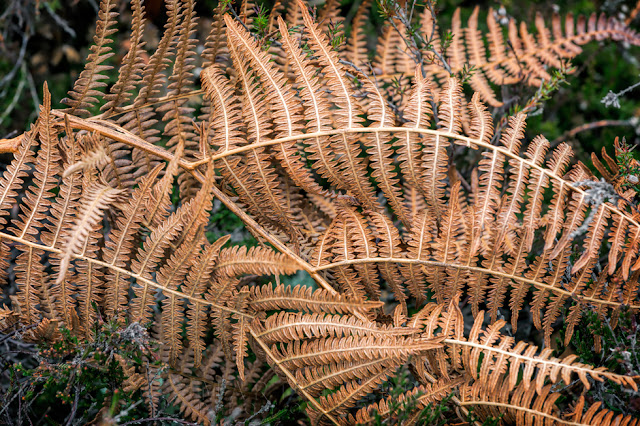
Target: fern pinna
[[520, 57], [334, 181]]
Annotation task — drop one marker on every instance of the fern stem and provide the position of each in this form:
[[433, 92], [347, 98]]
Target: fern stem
[[469, 142], [618, 378], [132, 107], [249, 221], [117, 133], [121, 135], [556, 420], [138, 277], [472, 269]]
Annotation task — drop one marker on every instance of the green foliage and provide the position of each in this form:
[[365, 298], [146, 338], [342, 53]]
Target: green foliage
[[335, 32], [629, 166], [533, 106], [618, 347], [82, 380], [596, 341], [260, 25], [387, 9], [285, 415], [473, 419], [467, 72]]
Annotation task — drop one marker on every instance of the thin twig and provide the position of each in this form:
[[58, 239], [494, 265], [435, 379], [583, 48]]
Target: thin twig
[[9, 76], [14, 101], [74, 409], [19, 330], [61, 22], [589, 126]]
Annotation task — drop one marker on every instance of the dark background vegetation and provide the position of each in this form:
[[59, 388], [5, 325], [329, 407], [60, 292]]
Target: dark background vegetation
[[48, 40]]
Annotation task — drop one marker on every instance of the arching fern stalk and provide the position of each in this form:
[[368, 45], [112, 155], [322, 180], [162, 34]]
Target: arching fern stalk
[[287, 158]]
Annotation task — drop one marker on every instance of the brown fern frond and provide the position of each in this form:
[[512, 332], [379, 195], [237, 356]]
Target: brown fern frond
[[380, 150], [392, 57], [120, 246], [133, 380], [216, 43], [305, 299], [196, 283], [12, 178], [355, 49], [279, 96], [240, 338], [435, 153], [227, 116], [38, 198], [170, 276], [526, 407], [148, 258], [345, 146], [221, 319], [315, 380], [8, 318], [30, 279], [130, 72], [87, 283], [96, 199], [246, 10], [493, 223], [353, 349], [256, 113], [186, 393], [315, 104], [389, 246], [418, 114], [353, 238], [256, 260], [524, 60], [487, 355], [142, 118], [152, 75], [335, 405], [177, 115], [47, 330], [336, 352], [288, 327], [34, 293], [90, 160], [339, 186], [85, 93]]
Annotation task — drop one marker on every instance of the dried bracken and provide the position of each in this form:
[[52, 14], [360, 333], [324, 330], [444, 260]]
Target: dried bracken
[[522, 57], [334, 183]]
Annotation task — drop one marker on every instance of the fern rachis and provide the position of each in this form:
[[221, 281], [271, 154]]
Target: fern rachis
[[311, 169]]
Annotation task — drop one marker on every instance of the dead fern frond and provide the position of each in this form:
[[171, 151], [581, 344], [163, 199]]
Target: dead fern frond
[[96, 199], [518, 57], [86, 93], [338, 185], [526, 407]]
